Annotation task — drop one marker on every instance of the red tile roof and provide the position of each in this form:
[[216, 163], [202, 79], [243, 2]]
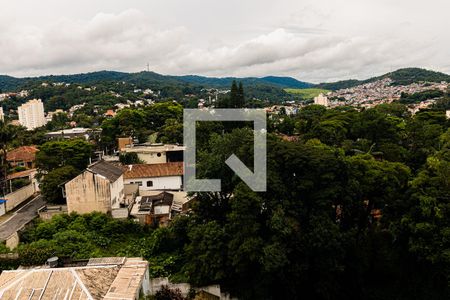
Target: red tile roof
[[24, 153], [110, 113], [153, 170]]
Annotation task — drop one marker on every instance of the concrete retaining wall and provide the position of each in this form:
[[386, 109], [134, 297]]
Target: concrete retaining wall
[[16, 198]]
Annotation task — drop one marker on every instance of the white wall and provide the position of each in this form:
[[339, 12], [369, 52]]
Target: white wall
[[117, 192], [153, 157], [2, 209], [159, 183], [119, 213], [19, 196], [88, 192], [157, 283]]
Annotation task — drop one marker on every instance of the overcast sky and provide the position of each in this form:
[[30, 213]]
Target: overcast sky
[[311, 40]]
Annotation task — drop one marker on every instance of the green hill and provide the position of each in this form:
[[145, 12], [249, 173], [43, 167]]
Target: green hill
[[400, 77], [269, 87], [266, 88], [152, 78], [225, 82], [8, 83]]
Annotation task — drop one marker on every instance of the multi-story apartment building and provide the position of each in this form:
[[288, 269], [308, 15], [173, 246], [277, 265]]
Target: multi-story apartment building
[[321, 100], [31, 114]]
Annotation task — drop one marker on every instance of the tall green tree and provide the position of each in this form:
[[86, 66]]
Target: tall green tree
[[55, 154], [52, 183], [240, 96], [7, 135]]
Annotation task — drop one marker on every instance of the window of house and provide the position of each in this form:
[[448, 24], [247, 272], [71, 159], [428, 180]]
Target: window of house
[[139, 183], [149, 183]]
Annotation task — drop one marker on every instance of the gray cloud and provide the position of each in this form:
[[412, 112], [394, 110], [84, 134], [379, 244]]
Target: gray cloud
[[311, 41]]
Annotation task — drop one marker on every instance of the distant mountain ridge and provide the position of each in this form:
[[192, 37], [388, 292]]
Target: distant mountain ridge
[[8, 82], [401, 76], [13, 83], [224, 82]]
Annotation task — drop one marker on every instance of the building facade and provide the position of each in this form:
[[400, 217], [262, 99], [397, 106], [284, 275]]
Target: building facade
[[155, 177], [31, 114], [156, 154], [99, 188], [321, 100]]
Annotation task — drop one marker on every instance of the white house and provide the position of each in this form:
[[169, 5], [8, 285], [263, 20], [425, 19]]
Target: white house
[[164, 176]]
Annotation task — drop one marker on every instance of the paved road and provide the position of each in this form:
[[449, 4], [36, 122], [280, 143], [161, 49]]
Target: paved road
[[21, 217]]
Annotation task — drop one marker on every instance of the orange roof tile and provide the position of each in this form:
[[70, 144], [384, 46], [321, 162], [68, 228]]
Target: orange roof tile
[[24, 153], [153, 170]]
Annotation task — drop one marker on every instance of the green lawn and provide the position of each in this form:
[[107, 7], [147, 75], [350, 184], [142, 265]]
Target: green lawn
[[307, 93]]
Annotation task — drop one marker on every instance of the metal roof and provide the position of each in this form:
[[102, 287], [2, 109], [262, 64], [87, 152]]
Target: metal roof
[[105, 169], [122, 280]]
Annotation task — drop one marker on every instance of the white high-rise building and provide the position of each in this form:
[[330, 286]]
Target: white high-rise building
[[31, 114], [2, 115], [321, 100]]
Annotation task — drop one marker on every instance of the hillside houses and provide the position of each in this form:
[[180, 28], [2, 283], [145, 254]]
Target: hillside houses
[[379, 92], [151, 193]]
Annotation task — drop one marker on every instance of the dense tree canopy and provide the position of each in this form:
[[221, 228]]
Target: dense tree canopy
[[55, 154], [165, 118], [52, 183], [356, 207]]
